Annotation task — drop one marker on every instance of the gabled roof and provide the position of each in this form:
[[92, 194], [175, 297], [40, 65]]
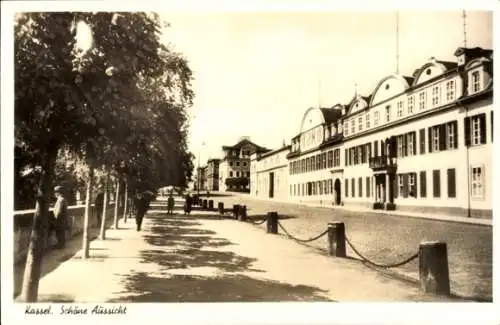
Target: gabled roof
[[246, 142], [330, 114], [473, 52], [448, 65]]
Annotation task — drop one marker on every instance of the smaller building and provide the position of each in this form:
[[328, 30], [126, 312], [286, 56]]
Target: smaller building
[[234, 168], [213, 174], [201, 179], [269, 174]]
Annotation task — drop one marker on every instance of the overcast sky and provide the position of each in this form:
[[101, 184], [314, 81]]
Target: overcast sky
[[257, 73]]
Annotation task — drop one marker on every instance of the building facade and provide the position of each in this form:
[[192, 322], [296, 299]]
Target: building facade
[[269, 174], [420, 143], [201, 179], [213, 174], [234, 168]]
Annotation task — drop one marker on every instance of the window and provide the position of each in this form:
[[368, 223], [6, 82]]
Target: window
[[248, 174], [422, 100], [360, 187], [353, 187], [353, 126], [345, 129], [330, 159], [237, 174], [436, 183], [376, 117], [388, 113], [346, 156], [401, 187], [231, 163], [435, 95], [237, 164], [411, 143], [452, 192], [323, 160], [477, 182], [367, 186], [330, 186], [400, 140], [320, 190], [230, 174], [451, 135], [336, 157], [435, 138], [412, 187], [476, 82], [367, 119], [411, 103], [450, 90], [360, 123], [423, 183], [400, 108], [475, 130]]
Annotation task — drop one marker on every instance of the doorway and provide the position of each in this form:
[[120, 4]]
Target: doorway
[[337, 189], [271, 185]]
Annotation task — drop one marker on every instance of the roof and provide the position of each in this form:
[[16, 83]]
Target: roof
[[473, 51], [275, 151], [246, 142], [449, 65], [331, 114], [409, 80]]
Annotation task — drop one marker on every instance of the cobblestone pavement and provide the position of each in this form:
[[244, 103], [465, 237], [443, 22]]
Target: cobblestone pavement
[[388, 239]]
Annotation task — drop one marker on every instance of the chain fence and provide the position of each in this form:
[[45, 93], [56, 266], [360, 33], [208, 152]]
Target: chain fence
[[257, 222], [301, 240], [385, 266]]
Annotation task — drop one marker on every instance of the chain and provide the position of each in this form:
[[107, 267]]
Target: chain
[[257, 222], [302, 240], [408, 260]]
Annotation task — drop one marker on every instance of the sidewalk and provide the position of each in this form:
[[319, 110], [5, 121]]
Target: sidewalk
[[202, 259], [448, 218]]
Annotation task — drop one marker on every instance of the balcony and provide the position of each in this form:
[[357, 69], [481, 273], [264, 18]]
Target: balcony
[[382, 163]]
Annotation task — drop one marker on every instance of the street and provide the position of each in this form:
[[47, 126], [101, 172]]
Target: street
[[390, 239]]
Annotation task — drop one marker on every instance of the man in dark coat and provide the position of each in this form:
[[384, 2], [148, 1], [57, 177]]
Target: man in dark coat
[[99, 205], [187, 204], [141, 203], [170, 204]]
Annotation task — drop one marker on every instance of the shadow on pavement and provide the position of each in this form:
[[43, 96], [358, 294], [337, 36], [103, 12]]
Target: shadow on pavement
[[140, 287], [55, 298]]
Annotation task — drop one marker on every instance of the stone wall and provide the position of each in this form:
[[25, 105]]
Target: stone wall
[[23, 221]]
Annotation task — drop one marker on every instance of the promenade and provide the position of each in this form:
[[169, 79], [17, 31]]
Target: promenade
[[201, 258]]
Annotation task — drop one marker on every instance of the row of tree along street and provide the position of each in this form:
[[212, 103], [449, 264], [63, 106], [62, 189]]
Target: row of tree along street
[[111, 109]]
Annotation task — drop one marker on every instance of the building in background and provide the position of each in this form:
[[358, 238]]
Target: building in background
[[201, 179], [420, 143], [213, 174], [269, 174], [234, 167]]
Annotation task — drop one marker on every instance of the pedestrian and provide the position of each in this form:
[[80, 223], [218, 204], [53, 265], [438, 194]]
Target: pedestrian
[[99, 205], [141, 203], [170, 204], [60, 217], [187, 204]]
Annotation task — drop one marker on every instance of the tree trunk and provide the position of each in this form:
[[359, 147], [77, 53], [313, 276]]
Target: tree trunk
[[117, 200], [125, 203], [102, 234], [29, 292], [88, 211]]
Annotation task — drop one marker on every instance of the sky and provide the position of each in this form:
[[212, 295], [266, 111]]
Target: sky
[[256, 73]]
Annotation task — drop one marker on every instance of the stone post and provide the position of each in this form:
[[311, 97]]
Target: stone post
[[210, 205], [433, 267], [242, 215], [272, 222], [336, 239]]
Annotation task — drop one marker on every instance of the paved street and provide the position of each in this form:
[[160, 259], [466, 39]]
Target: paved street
[[387, 239], [200, 258]]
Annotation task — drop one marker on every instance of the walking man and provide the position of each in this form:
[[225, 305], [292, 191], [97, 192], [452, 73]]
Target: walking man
[[187, 204], [170, 204], [99, 205], [60, 217], [141, 203]]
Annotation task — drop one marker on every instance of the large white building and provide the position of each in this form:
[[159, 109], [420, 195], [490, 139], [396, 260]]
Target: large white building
[[416, 143], [269, 174]]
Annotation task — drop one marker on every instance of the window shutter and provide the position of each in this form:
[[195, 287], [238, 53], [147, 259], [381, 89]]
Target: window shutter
[[482, 127], [346, 188], [375, 148], [360, 184], [455, 135], [367, 186], [491, 125], [369, 148], [430, 139], [467, 131], [442, 137], [396, 185], [405, 145], [405, 185], [345, 157], [423, 184], [414, 143], [422, 141], [451, 183], [353, 188], [436, 183]]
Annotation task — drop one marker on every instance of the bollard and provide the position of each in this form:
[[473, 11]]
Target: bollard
[[272, 222], [210, 205], [433, 268], [204, 204], [195, 199], [220, 207], [336, 239], [242, 215], [236, 208]]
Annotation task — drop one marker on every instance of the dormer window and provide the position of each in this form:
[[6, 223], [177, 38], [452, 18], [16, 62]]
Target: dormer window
[[334, 130], [327, 133], [475, 81], [346, 128], [450, 90], [388, 113]]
